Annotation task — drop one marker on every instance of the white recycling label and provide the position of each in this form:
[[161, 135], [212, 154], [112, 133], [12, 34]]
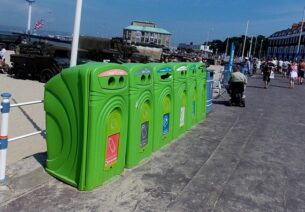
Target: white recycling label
[[182, 112]]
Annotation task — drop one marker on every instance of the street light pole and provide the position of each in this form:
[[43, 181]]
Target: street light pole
[[227, 46], [242, 56], [251, 41], [260, 49], [75, 40], [254, 46], [300, 36], [28, 30]]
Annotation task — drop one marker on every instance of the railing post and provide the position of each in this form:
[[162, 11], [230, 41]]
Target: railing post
[[5, 109]]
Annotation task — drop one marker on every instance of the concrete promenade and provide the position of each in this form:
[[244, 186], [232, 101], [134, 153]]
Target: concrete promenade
[[239, 159]]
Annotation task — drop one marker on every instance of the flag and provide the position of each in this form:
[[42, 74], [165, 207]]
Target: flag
[[39, 24]]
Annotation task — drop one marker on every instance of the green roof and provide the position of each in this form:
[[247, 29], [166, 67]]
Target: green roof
[[148, 29]]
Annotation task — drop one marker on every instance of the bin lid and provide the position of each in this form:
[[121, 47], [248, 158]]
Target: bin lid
[[201, 70], [162, 72], [179, 70], [139, 74], [101, 75], [192, 70]]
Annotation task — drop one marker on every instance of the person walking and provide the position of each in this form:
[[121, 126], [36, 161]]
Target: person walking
[[267, 68], [301, 71], [248, 66], [2, 54], [285, 69], [280, 66], [293, 74]]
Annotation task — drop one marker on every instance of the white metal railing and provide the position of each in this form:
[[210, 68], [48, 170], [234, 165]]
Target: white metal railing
[[5, 110]]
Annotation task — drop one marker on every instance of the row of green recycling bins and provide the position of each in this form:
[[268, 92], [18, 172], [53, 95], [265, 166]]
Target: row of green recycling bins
[[103, 117]]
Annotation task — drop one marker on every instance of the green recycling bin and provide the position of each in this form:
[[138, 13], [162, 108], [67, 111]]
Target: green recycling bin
[[163, 102], [140, 124], [86, 122], [179, 98], [191, 95], [201, 91]]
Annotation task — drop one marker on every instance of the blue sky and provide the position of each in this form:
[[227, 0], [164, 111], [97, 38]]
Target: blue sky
[[187, 20]]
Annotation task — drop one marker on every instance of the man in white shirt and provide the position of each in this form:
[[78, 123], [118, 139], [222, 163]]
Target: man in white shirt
[[2, 54], [280, 67]]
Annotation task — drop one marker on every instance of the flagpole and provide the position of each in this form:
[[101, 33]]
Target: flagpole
[[300, 36], [242, 56], [28, 30], [255, 46], [75, 40], [251, 41], [227, 46], [260, 49]]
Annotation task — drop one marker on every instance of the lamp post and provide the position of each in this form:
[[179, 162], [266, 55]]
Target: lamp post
[[227, 46], [242, 56], [208, 37], [250, 50], [260, 49], [74, 49], [28, 30], [254, 50], [300, 36]]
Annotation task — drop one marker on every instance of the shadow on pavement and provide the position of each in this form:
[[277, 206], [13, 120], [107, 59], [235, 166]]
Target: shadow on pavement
[[41, 158], [254, 86], [279, 86], [221, 102]]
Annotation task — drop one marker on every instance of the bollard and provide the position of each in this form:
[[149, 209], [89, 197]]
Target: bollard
[[5, 109]]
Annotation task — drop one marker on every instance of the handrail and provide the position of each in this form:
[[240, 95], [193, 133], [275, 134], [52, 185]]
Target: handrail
[[27, 135], [27, 103], [5, 110]]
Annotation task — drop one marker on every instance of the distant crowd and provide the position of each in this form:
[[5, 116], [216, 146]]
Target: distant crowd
[[293, 70]]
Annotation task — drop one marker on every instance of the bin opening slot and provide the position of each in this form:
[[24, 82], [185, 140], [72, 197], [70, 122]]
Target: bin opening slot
[[165, 76], [111, 81], [121, 80], [143, 78]]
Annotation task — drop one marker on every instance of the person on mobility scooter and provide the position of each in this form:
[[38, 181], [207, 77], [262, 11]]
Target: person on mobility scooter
[[236, 87]]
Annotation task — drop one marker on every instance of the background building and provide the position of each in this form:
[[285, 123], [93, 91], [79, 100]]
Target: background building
[[142, 32], [284, 44]]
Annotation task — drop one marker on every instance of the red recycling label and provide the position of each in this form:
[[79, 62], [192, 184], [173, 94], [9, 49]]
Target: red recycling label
[[113, 72], [112, 149]]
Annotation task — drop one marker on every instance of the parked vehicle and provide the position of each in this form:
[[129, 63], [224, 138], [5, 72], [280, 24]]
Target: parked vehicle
[[39, 61], [10, 41]]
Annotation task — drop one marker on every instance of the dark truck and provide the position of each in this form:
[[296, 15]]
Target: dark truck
[[10, 41], [40, 61]]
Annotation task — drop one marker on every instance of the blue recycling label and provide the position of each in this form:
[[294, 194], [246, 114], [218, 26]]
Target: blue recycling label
[[165, 123], [193, 108], [144, 134], [192, 68], [144, 71], [165, 70]]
